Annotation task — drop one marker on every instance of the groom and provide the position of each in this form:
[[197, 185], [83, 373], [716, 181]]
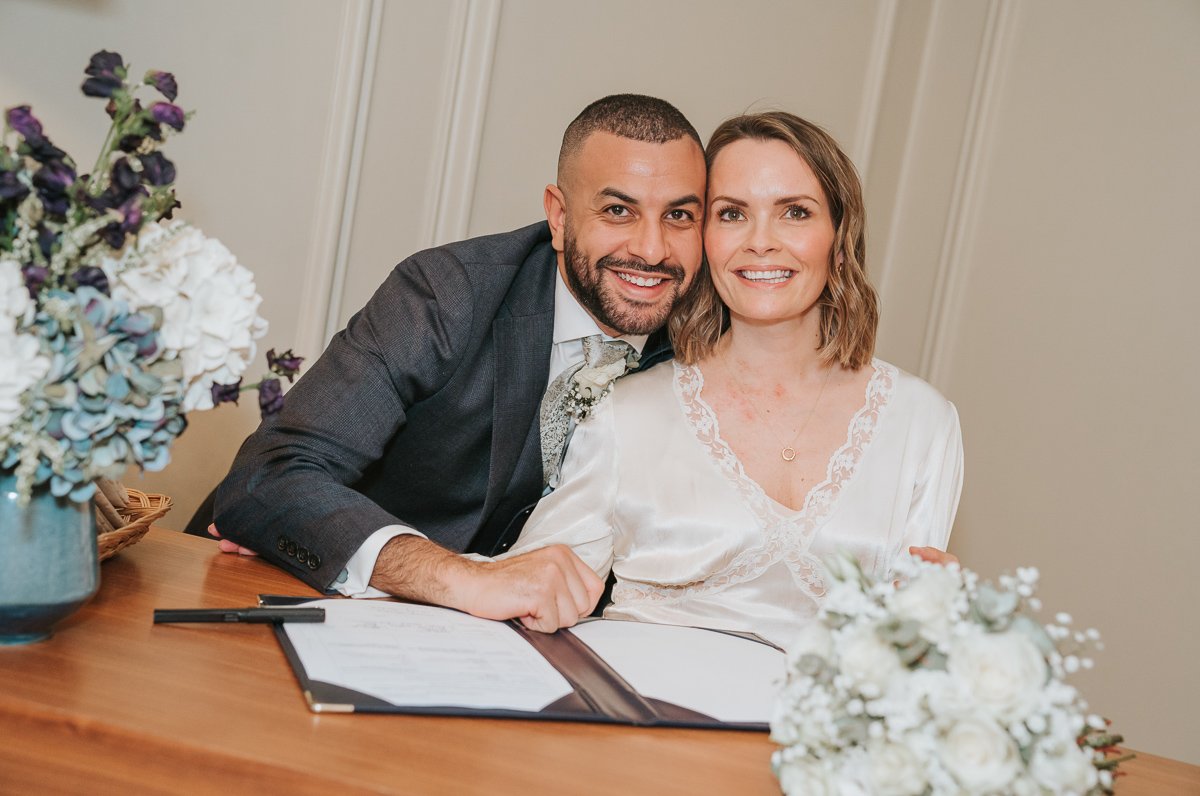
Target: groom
[[416, 433]]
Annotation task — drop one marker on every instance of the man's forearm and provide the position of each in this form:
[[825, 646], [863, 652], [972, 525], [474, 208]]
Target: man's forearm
[[546, 588], [414, 568]]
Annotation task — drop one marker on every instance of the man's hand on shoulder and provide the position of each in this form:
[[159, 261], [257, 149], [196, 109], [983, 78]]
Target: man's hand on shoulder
[[546, 589]]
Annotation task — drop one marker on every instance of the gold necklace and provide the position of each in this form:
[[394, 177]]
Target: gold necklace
[[788, 453]]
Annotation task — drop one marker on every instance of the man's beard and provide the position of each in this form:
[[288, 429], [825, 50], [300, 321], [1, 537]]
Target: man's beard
[[602, 301]]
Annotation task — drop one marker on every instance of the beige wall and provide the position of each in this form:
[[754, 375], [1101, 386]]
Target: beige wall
[[1030, 171]]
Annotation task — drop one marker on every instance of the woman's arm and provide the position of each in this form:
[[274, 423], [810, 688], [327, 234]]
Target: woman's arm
[[937, 492]]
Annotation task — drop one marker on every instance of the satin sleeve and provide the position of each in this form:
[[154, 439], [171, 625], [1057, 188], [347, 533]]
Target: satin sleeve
[[579, 513], [939, 487]]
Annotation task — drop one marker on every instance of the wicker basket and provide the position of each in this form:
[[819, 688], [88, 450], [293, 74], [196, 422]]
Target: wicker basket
[[139, 515]]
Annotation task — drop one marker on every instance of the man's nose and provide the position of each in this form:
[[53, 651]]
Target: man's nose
[[648, 243]]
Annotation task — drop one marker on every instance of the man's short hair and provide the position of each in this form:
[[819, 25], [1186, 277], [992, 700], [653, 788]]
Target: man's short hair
[[633, 116]]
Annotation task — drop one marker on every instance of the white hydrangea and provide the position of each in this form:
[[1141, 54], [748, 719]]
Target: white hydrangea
[[21, 363], [21, 366], [16, 307], [208, 299]]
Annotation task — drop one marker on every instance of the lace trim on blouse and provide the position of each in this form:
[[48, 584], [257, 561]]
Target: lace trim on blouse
[[787, 534]]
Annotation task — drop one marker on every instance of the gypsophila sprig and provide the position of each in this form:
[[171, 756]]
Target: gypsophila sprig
[[939, 684], [115, 320]]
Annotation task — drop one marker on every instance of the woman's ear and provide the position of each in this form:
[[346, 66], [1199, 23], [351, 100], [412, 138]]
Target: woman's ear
[[556, 213]]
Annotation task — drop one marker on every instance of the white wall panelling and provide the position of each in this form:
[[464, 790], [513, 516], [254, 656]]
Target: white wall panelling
[[345, 128], [872, 93], [476, 29], [952, 263]]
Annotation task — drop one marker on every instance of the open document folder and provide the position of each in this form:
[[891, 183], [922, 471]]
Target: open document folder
[[393, 657]]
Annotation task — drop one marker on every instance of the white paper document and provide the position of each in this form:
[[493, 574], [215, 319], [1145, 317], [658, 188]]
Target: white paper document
[[418, 655], [719, 675]]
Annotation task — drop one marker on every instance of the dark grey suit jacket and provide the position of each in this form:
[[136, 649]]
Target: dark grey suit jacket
[[422, 411]]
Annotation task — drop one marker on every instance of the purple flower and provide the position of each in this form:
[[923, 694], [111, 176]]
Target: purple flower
[[226, 393], [101, 86], [30, 129], [105, 64], [164, 82], [168, 114], [91, 276], [286, 364], [130, 143], [47, 238], [35, 277], [270, 397], [24, 122], [53, 180], [157, 170], [11, 188], [124, 177], [131, 220], [106, 75]]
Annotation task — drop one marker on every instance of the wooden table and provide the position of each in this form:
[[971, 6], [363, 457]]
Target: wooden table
[[115, 704]]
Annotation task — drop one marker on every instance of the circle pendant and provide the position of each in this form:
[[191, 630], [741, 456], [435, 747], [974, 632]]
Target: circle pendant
[[788, 453]]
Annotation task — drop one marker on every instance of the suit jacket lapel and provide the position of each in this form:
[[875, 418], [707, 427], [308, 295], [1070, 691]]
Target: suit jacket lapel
[[523, 335]]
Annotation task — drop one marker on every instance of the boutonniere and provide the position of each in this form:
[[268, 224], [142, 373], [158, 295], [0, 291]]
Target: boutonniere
[[591, 384]]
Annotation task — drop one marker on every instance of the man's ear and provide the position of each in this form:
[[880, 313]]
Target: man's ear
[[556, 214]]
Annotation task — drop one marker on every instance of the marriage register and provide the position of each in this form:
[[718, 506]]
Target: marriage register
[[388, 656]]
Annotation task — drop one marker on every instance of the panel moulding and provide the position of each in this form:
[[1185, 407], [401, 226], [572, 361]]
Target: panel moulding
[[462, 120], [952, 269]]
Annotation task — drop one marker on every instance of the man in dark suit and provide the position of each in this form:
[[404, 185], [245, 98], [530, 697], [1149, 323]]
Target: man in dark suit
[[416, 434]]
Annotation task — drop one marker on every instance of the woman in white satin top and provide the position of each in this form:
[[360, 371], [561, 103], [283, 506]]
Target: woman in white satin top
[[711, 487]]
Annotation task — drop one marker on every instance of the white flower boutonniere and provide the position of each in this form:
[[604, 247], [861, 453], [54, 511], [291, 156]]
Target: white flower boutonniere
[[591, 384]]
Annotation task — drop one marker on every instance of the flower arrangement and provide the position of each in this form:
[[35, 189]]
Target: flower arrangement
[[938, 684], [115, 319], [591, 383]]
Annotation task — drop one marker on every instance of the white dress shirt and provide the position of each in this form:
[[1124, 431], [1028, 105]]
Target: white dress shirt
[[571, 324]]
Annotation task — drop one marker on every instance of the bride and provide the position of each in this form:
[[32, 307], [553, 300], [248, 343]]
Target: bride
[[711, 488]]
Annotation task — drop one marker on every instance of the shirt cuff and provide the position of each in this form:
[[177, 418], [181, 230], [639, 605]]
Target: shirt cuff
[[355, 579]]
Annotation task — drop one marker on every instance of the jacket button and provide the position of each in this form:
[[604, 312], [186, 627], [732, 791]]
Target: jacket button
[[291, 549], [314, 561], [302, 555], [281, 545]]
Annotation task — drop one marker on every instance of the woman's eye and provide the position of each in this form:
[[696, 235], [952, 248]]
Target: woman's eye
[[729, 214], [795, 213]]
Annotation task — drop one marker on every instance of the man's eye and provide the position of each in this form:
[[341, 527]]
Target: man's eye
[[680, 215], [796, 212], [618, 211]]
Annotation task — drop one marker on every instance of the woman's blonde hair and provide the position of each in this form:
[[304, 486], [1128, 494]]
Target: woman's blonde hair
[[849, 305]]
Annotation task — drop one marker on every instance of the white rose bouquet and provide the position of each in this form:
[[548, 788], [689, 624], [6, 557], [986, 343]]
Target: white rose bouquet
[[115, 321], [938, 684]]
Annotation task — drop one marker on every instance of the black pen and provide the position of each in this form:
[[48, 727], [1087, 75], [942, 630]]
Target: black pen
[[238, 615]]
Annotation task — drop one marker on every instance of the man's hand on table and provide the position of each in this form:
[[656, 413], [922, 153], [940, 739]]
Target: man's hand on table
[[545, 589], [228, 546]]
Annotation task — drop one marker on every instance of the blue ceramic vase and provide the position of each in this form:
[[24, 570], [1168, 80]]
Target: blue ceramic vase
[[48, 565]]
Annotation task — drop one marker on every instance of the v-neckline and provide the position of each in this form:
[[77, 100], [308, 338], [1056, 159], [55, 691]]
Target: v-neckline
[[839, 469]]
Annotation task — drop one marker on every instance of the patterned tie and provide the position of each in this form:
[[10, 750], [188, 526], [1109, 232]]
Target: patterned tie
[[559, 410]]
